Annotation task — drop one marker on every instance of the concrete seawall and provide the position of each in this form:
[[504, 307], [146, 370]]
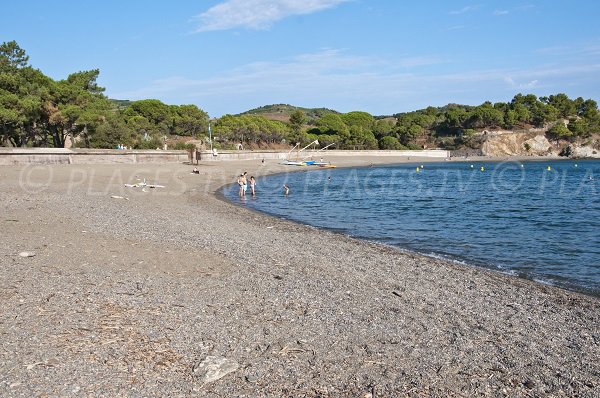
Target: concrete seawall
[[23, 156], [316, 155], [19, 156]]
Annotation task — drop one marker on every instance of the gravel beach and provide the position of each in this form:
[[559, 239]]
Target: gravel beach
[[114, 291]]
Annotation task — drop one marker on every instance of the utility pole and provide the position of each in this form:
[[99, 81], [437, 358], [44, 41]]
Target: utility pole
[[210, 137]]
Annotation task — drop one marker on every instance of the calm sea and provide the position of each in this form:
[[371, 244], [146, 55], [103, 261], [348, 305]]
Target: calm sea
[[538, 220]]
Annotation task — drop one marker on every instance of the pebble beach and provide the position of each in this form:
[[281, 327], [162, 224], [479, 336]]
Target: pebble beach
[[115, 291]]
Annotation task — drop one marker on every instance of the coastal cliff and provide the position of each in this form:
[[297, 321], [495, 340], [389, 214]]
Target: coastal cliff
[[534, 142]]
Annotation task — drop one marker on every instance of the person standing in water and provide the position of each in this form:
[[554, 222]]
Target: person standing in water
[[252, 185], [286, 189], [244, 183], [240, 181]]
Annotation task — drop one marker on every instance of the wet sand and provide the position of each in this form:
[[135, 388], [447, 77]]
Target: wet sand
[[141, 294]]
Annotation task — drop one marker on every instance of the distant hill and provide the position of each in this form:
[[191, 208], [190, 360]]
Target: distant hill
[[120, 104], [282, 112]]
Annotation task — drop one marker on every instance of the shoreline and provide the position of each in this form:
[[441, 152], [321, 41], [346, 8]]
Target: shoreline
[[484, 266], [138, 293]]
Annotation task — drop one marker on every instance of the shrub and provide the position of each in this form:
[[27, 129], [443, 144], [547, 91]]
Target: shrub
[[566, 151], [388, 142], [149, 144], [184, 146]]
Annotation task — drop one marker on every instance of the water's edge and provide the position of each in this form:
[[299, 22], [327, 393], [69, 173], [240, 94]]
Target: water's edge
[[220, 194]]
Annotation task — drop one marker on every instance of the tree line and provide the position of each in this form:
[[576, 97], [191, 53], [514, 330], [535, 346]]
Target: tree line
[[36, 110]]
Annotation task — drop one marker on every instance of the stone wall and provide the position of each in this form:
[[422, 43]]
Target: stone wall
[[16, 156], [315, 155]]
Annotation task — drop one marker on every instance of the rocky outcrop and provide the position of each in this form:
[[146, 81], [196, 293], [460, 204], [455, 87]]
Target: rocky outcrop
[[535, 143], [538, 145], [584, 151], [510, 143]]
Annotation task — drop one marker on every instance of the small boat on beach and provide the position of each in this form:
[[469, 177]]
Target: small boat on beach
[[304, 162], [299, 162], [294, 163]]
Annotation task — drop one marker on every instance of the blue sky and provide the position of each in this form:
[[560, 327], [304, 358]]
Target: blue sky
[[379, 56]]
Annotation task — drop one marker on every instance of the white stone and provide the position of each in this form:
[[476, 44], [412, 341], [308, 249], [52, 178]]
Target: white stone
[[213, 368]]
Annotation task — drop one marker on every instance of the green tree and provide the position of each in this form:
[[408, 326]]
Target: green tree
[[189, 120], [297, 120], [389, 142], [485, 115], [112, 132], [383, 128], [360, 119], [23, 93], [456, 117], [360, 138], [328, 139], [250, 128], [12, 56], [77, 104], [155, 111], [542, 114], [560, 131], [431, 111], [522, 113], [588, 109], [579, 127], [563, 105], [510, 118], [333, 124]]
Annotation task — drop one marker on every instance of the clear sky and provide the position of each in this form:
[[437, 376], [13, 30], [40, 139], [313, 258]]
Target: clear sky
[[379, 56]]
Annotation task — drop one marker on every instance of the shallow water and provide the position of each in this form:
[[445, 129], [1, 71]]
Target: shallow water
[[520, 218]]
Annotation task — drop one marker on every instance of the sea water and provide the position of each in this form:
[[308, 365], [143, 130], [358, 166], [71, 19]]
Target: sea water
[[539, 220]]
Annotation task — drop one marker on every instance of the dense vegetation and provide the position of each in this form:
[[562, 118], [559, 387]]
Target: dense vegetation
[[284, 111], [36, 110]]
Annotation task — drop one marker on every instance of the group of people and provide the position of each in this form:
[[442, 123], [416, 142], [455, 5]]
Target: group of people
[[243, 183]]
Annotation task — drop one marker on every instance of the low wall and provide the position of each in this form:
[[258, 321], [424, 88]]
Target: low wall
[[21, 156], [462, 153], [316, 155], [17, 156]]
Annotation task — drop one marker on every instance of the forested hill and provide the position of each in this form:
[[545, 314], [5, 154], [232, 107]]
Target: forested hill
[[121, 104], [283, 112]]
